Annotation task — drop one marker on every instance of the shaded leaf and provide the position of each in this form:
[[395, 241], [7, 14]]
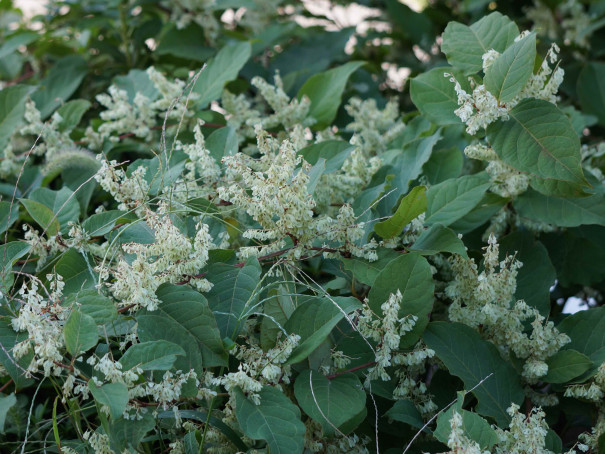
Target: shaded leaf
[[276, 420]]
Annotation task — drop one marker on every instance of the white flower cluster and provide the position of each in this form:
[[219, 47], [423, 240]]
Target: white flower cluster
[[287, 112], [171, 93], [184, 12], [258, 368], [525, 434], [99, 442], [373, 128], [458, 441], [41, 246], [42, 318], [347, 233], [387, 332], [138, 117], [343, 185], [506, 181], [173, 257], [480, 108], [484, 300], [122, 116], [201, 167], [129, 191], [54, 138], [273, 190], [316, 441], [576, 23]]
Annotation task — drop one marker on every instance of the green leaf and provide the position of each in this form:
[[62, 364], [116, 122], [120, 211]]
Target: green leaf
[[153, 355], [114, 395], [472, 359], [365, 271], [562, 212], [77, 272], [6, 403], [591, 90], [233, 293], [188, 310], [439, 239], [90, 302], [325, 92], [411, 275], [9, 254], [330, 402], [464, 46], [313, 320], [16, 368], [276, 420], [43, 216], [434, 94], [277, 309], [222, 142], [411, 206], [488, 206], [60, 83], [62, 203], [9, 213], [405, 411], [80, 333], [12, 108], [129, 432], [538, 139], [449, 201], [202, 416], [565, 365], [506, 77], [137, 81], [185, 43], [335, 152], [537, 275], [474, 426], [586, 330], [13, 43], [154, 326], [100, 224], [71, 113], [443, 165], [222, 68]]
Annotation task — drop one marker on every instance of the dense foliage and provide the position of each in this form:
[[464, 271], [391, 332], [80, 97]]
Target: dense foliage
[[244, 226]]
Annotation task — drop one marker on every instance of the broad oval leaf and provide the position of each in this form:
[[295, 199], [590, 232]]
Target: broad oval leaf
[[152, 355], [331, 402], [469, 357], [434, 95], [464, 46], [506, 77], [410, 207], [591, 90], [314, 319], [565, 365], [438, 238], [539, 139], [80, 333], [222, 68], [411, 275], [275, 419], [324, 90], [114, 395], [559, 211], [449, 201], [233, 293]]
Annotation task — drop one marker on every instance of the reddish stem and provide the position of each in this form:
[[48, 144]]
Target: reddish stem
[[352, 369], [6, 385]]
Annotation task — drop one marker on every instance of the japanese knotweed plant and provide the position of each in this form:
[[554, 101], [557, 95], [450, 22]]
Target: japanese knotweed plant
[[224, 249]]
